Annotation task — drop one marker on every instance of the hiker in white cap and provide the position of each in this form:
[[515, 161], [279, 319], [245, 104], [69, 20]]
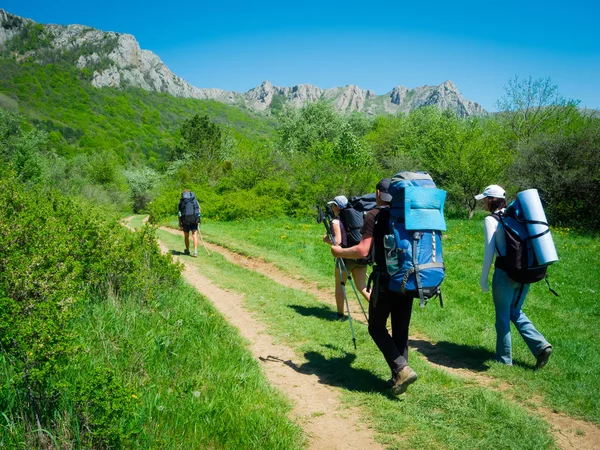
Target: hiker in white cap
[[508, 295], [357, 271]]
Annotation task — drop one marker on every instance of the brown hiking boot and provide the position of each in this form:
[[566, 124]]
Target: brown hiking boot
[[542, 358], [403, 379]]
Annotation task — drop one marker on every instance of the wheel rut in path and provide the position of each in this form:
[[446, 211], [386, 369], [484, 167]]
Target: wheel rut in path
[[316, 407], [569, 433]]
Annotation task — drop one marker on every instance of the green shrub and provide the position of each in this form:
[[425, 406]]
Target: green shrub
[[54, 254], [105, 407], [566, 171]]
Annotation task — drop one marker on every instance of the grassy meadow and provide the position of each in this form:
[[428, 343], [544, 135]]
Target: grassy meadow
[[441, 410]]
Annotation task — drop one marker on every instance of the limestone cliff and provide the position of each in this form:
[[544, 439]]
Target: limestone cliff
[[116, 60]]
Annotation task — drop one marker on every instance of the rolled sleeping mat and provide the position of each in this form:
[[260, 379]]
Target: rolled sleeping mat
[[532, 208]]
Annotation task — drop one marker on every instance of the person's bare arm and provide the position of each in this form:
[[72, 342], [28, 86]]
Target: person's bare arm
[[360, 250]]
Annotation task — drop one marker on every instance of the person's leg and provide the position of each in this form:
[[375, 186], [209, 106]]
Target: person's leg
[[401, 312], [339, 289], [532, 337], [359, 274], [379, 310], [195, 238], [503, 292], [186, 238]]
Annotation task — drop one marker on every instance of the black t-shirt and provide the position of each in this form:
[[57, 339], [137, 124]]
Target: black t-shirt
[[377, 225]]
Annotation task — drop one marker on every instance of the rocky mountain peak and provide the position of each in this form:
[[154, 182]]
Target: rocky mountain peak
[[116, 60]]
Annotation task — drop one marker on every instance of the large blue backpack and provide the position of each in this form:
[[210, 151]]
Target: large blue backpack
[[414, 251]]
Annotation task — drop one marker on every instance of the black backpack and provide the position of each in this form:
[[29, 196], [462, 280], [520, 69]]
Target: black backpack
[[520, 262], [189, 209], [353, 219]]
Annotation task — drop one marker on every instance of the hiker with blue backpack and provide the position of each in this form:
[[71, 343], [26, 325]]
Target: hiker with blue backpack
[[189, 218], [356, 269], [510, 284], [405, 233], [384, 303]]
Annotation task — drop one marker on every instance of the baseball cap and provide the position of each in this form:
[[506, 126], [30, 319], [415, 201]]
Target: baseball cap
[[492, 190], [383, 187], [341, 201]]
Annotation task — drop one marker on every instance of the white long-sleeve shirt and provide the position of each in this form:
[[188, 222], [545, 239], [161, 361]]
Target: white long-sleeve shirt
[[494, 242]]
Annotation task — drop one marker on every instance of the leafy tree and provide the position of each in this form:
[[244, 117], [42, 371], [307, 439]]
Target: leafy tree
[[391, 142], [302, 130], [533, 106], [20, 149], [204, 142], [566, 171], [141, 181], [471, 158]]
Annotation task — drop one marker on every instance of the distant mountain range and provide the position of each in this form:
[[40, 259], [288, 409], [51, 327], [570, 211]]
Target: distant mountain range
[[111, 59]]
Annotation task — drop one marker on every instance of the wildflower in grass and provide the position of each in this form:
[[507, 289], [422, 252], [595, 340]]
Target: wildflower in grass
[[134, 396], [180, 322], [196, 394], [283, 236]]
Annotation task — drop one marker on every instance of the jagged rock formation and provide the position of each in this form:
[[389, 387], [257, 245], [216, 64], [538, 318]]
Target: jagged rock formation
[[116, 60]]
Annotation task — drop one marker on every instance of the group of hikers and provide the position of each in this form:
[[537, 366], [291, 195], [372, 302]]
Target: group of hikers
[[508, 295], [388, 231]]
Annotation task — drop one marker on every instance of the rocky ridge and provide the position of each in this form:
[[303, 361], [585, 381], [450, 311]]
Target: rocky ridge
[[116, 60]]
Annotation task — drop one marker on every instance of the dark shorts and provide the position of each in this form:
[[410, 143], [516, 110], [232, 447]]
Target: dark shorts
[[188, 228], [352, 264]]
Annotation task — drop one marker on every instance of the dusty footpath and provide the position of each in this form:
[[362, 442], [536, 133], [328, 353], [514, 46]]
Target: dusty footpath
[[317, 408]]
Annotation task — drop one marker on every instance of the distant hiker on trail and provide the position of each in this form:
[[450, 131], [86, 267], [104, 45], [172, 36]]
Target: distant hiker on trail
[[189, 218], [508, 295], [384, 302], [355, 269]]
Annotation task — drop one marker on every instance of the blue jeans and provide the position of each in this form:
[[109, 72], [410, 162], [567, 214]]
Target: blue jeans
[[508, 298]]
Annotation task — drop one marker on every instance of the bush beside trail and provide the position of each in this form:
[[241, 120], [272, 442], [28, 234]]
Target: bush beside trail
[[56, 256]]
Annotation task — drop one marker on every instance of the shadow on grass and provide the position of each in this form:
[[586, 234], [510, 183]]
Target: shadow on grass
[[320, 312], [456, 356], [338, 371]]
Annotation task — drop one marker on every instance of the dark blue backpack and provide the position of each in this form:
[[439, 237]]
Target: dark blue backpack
[[189, 208], [414, 251]]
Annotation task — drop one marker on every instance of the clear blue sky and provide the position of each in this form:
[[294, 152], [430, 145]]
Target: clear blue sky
[[235, 46]]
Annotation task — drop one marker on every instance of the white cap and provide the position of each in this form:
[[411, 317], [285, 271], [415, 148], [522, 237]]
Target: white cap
[[492, 190], [341, 201]]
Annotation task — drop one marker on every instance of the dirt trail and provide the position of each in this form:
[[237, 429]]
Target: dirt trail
[[316, 407], [569, 433]]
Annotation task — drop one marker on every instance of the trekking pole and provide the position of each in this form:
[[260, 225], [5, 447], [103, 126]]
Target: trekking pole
[[203, 244], [343, 264], [349, 276], [322, 218]]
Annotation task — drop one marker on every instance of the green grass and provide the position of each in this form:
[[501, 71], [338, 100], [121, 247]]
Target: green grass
[[196, 384], [188, 381], [463, 331], [440, 411]]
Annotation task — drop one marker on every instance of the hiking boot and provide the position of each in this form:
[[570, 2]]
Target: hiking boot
[[403, 379], [337, 317], [542, 358], [195, 254], [186, 252]]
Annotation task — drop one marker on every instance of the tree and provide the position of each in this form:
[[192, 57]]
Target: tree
[[303, 130], [141, 181], [566, 171], [533, 106], [202, 141], [471, 158]]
